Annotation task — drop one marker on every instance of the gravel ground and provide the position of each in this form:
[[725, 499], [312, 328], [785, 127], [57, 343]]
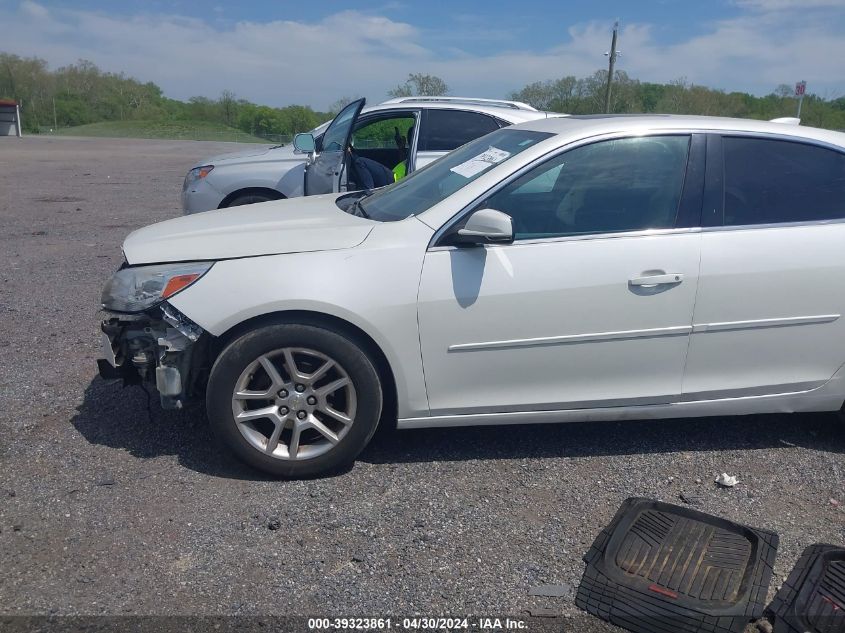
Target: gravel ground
[[109, 505]]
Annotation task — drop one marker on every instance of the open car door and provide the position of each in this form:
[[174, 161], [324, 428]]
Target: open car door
[[323, 174]]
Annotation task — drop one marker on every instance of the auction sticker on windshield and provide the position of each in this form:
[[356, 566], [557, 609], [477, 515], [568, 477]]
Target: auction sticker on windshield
[[479, 163]]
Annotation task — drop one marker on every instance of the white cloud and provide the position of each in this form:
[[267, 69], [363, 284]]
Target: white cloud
[[33, 9], [350, 52], [788, 5]]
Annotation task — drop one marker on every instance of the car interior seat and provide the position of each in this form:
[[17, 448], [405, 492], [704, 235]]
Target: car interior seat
[[368, 173], [621, 193]]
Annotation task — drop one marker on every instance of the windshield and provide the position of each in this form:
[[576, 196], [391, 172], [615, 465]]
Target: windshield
[[439, 180]]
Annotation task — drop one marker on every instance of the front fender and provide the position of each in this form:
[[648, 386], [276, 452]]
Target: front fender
[[373, 287], [286, 177]]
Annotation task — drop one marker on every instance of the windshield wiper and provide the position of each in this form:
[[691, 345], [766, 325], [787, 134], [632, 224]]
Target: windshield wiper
[[357, 209]]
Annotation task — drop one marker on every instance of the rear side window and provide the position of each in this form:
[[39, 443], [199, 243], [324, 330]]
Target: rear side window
[[444, 130], [768, 181]]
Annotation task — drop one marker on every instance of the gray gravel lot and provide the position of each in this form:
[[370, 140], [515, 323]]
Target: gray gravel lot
[[108, 507]]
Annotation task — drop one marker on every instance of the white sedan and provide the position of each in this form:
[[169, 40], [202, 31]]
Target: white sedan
[[581, 268]]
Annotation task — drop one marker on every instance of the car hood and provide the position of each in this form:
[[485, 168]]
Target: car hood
[[257, 154], [270, 228]]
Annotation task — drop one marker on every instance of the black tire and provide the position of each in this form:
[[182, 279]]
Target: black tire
[[241, 352], [250, 198]]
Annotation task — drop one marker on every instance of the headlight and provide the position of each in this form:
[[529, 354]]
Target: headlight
[[139, 288], [197, 173]]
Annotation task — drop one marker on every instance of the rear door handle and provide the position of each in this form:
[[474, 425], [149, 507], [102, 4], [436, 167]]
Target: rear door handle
[[650, 281]]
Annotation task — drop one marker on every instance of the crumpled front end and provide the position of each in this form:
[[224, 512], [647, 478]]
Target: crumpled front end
[[160, 347]]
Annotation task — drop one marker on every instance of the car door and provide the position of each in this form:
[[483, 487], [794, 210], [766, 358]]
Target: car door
[[323, 174], [770, 313], [442, 130], [591, 306]]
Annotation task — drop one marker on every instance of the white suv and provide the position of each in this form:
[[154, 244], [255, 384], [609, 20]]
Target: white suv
[[414, 131]]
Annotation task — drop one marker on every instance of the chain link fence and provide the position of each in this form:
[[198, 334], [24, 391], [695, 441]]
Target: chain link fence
[[167, 131]]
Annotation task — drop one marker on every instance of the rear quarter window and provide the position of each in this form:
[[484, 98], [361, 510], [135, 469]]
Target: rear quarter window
[[445, 130]]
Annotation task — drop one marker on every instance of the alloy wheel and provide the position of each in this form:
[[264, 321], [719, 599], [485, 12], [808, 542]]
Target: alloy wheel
[[294, 403]]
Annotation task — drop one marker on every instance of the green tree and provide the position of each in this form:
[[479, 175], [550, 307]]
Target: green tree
[[82, 93], [419, 84], [340, 104], [228, 106]]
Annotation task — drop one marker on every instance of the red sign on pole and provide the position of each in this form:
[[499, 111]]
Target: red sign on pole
[[800, 87]]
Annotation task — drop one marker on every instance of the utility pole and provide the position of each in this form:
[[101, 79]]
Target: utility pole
[[800, 89], [612, 55], [55, 120]]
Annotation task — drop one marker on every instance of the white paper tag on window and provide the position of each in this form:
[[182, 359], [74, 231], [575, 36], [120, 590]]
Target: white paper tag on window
[[479, 163]]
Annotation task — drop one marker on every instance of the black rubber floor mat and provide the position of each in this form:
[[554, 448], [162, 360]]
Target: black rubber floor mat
[[813, 596], [662, 568]]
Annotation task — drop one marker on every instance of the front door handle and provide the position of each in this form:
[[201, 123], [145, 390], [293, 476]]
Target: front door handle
[[650, 281]]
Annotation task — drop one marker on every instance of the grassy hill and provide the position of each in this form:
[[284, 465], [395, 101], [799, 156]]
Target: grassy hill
[[182, 130]]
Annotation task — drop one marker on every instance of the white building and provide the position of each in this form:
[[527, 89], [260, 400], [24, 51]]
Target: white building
[[10, 118]]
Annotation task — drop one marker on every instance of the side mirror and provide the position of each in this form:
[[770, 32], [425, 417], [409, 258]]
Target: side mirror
[[486, 226], [304, 143]]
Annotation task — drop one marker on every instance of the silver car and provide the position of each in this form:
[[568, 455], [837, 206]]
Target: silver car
[[401, 134]]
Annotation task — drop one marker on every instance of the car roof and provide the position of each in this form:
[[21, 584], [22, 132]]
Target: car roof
[[578, 126], [511, 111], [500, 103]]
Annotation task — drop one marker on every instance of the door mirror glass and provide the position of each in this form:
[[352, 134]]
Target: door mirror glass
[[486, 226], [304, 143]]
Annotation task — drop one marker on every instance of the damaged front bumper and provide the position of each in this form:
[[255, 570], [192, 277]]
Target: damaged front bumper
[[162, 347]]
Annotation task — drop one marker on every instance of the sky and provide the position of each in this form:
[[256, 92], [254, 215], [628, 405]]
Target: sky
[[281, 52]]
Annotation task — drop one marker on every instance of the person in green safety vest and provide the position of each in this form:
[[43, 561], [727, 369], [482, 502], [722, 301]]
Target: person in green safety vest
[[401, 170]]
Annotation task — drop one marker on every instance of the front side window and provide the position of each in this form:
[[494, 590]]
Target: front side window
[[611, 186], [769, 181], [388, 133], [444, 130], [386, 141]]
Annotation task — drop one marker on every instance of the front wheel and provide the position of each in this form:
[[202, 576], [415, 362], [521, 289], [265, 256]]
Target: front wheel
[[294, 400], [250, 198]]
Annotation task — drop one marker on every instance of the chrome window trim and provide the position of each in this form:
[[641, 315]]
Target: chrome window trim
[[777, 136], [626, 335], [771, 225], [367, 118], [568, 339], [582, 238]]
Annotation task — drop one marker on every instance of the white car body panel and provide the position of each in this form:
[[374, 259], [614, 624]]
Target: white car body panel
[[277, 168], [769, 312], [548, 330], [312, 224], [555, 324], [828, 397], [373, 288]]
